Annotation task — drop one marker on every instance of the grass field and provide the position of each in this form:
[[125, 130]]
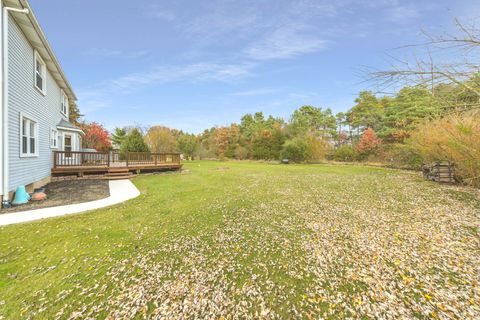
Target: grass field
[[239, 240]]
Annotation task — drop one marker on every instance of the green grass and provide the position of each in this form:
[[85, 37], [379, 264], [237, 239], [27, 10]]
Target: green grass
[[258, 240]]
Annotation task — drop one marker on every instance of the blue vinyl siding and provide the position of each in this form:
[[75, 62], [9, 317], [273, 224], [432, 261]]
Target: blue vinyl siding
[[25, 98]]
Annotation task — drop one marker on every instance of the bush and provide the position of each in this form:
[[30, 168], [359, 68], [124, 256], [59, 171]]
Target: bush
[[241, 153], [345, 153], [318, 148], [399, 155], [295, 150], [455, 138]]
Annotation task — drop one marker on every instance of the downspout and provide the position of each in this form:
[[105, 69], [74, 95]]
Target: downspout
[[4, 94]]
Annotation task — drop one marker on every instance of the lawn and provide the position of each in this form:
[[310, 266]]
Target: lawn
[[238, 240]]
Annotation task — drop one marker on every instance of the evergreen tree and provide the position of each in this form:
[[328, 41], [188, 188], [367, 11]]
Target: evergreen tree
[[118, 136], [134, 142], [367, 112]]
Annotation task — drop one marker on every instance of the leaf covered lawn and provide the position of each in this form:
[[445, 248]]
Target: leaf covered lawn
[[248, 240]]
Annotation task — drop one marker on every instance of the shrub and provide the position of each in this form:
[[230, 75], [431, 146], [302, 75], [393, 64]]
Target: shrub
[[241, 153], [455, 138], [399, 155], [345, 153], [318, 148], [296, 150]]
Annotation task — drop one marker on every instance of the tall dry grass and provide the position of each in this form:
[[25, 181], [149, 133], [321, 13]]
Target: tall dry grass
[[455, 138]]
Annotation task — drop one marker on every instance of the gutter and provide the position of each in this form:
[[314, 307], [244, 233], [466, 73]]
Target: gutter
[[4, 94], [71, 129]]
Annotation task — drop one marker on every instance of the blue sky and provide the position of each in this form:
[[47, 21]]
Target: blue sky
[[191, 64]]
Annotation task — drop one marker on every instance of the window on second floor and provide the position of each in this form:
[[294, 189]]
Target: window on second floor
[[28, 137], [64, 103], [40, 74]]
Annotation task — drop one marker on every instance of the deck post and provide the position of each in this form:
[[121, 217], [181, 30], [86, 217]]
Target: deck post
[[108, 159], [126, 157]]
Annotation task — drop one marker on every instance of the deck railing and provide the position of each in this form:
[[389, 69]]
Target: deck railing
[[112, 159]]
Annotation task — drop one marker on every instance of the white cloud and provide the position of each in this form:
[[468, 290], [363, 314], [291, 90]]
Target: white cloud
[[163, 15], [254, 92], [113, 53], [401, 14], [286, 42], [223, 19], [98, 96], [192, 72]]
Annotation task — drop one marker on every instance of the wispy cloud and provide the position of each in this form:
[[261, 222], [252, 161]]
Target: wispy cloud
[[401, 14], [113, 53], [193, 73], [223, 19], [98, 96], [286, 42], [254, 92], [164, 15]]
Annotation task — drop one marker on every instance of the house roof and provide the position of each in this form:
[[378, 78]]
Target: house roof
[[28, 23], [65, 125]]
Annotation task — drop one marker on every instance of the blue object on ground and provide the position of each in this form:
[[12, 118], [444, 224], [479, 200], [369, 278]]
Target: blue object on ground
[[21, 196]]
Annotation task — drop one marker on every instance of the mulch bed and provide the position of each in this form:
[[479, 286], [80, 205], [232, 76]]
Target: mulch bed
[[66, 192]]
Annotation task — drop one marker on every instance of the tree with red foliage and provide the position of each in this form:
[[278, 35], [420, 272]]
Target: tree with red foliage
[[96, 137], [369, 141]]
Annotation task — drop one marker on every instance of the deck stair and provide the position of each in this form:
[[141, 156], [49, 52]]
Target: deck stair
[[118, 174]]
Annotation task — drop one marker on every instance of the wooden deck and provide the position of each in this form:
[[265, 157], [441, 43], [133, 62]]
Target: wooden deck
[[80, 163]]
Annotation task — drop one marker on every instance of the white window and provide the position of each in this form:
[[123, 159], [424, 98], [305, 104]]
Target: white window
[[53, 138], [67, 144], [64, 103], [40, 74], [28, 137]]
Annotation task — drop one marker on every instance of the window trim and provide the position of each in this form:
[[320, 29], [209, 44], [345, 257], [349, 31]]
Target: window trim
[[63, 97], [73, 146], [28, 132], [38, 57], [54, 137]]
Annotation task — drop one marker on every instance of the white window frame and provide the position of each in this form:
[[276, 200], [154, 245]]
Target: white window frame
[[73, 142], [43, 73], [28, 133], [53, 138], [64, 108]]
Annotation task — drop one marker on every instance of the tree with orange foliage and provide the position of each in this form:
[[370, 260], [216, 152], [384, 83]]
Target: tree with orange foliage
[[222, 138], [96, 137], [369, 141]]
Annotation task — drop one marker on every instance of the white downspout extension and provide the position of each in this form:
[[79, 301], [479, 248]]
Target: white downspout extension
[[4, 94]]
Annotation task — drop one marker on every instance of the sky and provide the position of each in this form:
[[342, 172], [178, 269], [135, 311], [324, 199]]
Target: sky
[[192, 64]]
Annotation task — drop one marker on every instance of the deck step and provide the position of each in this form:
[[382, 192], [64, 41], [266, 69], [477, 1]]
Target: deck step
[[106, 177], [118, 173], [118, 170]]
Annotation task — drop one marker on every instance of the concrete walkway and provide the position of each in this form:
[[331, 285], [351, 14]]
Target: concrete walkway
[[120, 191]]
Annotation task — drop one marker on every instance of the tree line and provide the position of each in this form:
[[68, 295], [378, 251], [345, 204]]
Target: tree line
[[434, 116]]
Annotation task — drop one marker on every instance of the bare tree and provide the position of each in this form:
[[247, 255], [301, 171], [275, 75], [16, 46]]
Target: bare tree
[[447, 59]]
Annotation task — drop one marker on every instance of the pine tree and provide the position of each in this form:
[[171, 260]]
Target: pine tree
[[134, 142]]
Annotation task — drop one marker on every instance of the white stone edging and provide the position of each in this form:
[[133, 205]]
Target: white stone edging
[[120, 191]]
